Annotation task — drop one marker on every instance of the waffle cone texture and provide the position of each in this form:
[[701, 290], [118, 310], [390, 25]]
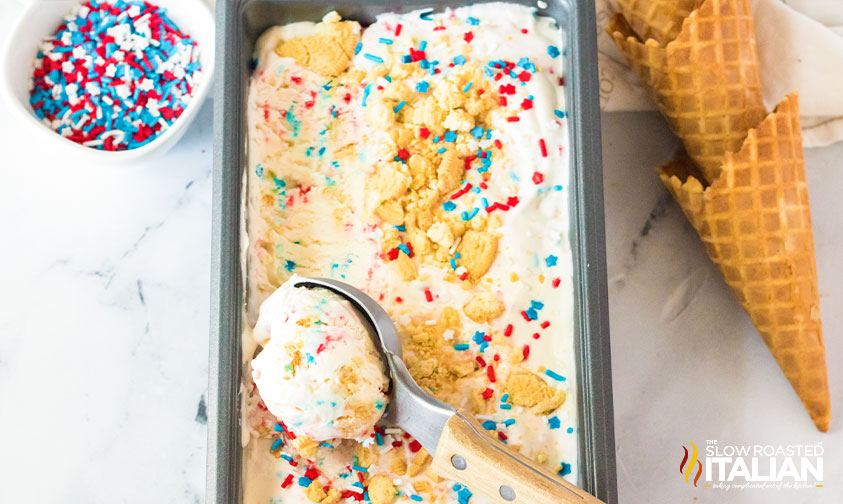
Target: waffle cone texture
[[755, 222], [705, 81], [660, 20]]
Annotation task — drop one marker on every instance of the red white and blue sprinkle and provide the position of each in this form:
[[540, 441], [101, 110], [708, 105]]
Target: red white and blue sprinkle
[[115, 75]]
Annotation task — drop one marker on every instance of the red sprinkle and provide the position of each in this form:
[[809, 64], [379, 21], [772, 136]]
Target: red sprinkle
[[502, 100], [502, 436], [428, 295], [403, 154], [488, 393], [527, 104], [398, 29], [524, 76], [490, 373], [508, 331], [545, 324], [526, 317], [468, 36], [399, 300], [415, 446], [464, 276], [348, 493], [497, 357], [287, 481], [556, 282], [513, 119], [538, 178], [480, 361], [424, 132], [525, 351], [511, 201], [498, 144], [438, 28], [296, 79], [311, 473], [543, 147], [523, 30], [461, 192], [536, 335], [507, 89], [397, 444]]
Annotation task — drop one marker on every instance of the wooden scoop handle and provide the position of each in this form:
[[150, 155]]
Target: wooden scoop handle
[[470, 456]]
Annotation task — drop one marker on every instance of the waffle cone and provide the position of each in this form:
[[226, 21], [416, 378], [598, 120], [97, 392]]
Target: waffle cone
[[705, 81], [657, 19], [755, 222]]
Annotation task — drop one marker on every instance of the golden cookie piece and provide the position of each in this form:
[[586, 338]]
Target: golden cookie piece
[[334, 496], [405, 267], [477, 252], [392, 179], [365, 456], [391, 212], [459, 120], [483, 308], [315, 493], [328, 51], [305, 446], [527, 389], [422, 171], [449, 173], [448, 95], [441, 234], [381, 490]]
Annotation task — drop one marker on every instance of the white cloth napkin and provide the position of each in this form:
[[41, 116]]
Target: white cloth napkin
[[800, 47]]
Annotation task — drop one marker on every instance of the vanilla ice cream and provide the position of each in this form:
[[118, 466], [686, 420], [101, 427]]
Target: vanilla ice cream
[[319, 371]]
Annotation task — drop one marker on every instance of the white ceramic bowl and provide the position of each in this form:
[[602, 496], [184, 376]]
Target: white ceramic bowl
[[40, 20]]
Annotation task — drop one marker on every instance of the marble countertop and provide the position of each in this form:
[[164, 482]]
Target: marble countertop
[[104, 326]]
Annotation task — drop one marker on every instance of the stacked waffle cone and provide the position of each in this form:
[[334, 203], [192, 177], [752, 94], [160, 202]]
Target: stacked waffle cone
[[741, 178]]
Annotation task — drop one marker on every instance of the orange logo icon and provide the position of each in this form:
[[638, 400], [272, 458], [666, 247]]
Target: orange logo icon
[[687, 466]]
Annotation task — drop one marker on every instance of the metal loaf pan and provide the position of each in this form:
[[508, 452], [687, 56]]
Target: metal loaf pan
[[239, 23]]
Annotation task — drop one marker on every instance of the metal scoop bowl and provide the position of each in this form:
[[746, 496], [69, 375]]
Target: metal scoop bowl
[[459, 445]]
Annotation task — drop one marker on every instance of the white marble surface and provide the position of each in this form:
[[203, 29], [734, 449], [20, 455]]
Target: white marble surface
[[104, 295]]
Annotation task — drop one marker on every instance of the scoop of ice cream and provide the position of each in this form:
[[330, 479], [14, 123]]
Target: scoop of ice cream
[[319, 371]]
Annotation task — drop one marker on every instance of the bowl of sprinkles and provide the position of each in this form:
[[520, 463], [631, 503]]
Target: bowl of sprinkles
[[117, 80]]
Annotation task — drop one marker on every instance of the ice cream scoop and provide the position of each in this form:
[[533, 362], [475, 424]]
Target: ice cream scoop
[[460, 448], [319, 371]]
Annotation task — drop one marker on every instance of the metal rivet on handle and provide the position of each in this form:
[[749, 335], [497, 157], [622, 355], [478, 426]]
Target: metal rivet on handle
[[507, 493], [459, 462]]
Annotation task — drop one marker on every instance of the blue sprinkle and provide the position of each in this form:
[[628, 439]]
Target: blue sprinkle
[[478, 337], [379, 438], [400, 228], [427, 15], [483, 347], [505, 398], [449, 206], [385, 41], [554, 375], [326, 445], [403, 248], [398, 107], [372, 57], [357, 484], [453, 263], [559, 114], [473, 21], [290, 265], [406, 59], [450, 136], [422, 45], [565, 470], [538, 305], [422, 86], [287, 458], [505, 406], [459, 60], [436, 139], [551, 260], [278, 442], [531, 313], [467, 216], [489, 425], [457, 255], [554, 422], [441, 150], [359, 469], [510, 422], [461, 346], [366, 91], [569, 430], [467, 87], [304, 481], [357, 49], [416, 498], [477, 132], [553, 51]]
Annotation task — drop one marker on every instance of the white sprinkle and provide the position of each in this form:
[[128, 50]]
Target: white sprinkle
[[541, 4], [448, 335]]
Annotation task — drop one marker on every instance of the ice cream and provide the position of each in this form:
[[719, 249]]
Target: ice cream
[[319, 371], [430, 170]]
